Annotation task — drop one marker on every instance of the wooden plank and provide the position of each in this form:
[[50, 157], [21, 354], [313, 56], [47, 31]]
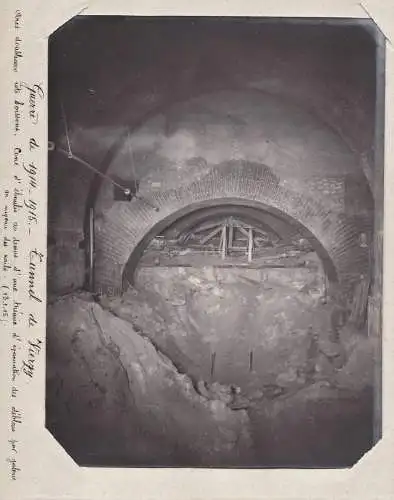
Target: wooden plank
[[230, 236], [243, 231], [205, 227], [250, 245], [210, 235], [224, 242]]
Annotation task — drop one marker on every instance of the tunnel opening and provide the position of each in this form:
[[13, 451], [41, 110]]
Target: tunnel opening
[[256, 214], [233, 294]]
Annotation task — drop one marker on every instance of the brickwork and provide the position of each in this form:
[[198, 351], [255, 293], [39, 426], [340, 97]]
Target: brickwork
[[290, 163], [124, 225]]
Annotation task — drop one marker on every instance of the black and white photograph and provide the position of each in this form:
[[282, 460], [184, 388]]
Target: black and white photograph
[[214, 241]]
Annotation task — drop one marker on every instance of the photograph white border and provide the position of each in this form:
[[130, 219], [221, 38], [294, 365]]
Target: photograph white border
[[46, 471]]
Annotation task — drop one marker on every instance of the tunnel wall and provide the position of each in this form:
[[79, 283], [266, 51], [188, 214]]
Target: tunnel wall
[[67, 188]]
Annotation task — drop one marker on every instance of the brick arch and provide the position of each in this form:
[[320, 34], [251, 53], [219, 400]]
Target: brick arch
[[239, 206], [124, 229], [262, 220], [184, 96]]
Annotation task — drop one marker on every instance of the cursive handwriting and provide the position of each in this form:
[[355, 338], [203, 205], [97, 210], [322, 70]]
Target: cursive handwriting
[[6, 262], [16, 202], [17, 52], [31, 171], [16, 312], [14, 468], [35, 93], [17, 19], [5, 217], [36, 258], [17, 152], [32, 217], [15, 370], [17, 115], [34, 349], [5, 302], [16, 418]]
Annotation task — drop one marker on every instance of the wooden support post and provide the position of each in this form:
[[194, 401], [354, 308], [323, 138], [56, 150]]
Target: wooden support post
[[250, 245], [210, 236], [243, 231], [221, 241], [230, 236], [224, 242]]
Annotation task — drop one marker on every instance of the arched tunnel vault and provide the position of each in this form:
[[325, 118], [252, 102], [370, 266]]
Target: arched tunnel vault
[[123, 230], [256, 217], [245, 148], [254, 213]]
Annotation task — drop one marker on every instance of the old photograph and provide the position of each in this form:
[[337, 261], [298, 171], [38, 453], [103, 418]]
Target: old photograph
[[215, 236]]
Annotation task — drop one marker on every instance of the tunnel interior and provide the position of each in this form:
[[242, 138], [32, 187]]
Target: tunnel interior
[[214, 243], [236, 282]]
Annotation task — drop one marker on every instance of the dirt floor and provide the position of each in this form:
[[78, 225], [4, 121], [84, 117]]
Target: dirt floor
[[234, 326], [164, 376]]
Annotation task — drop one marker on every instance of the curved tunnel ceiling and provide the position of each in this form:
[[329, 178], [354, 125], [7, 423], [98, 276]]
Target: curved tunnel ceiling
[[248, 146], [244, 123], [231, 125], [201, 229], [258, 218], [318, 66]]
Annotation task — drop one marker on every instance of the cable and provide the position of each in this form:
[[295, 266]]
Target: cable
[[126, 191], [70, 153]]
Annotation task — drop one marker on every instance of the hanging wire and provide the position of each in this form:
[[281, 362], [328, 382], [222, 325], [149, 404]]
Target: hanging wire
[[127, 191], [72, 156], [70, 153]]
